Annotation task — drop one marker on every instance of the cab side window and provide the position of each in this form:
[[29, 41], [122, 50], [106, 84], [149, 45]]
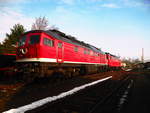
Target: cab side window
[[59, 45], [76, 49], [48, 42], [85, 52]]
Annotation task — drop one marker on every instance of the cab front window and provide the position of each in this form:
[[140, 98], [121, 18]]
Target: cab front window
[[34, 39], [22, 41]]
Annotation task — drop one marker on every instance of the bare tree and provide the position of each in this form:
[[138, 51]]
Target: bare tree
[[41, 23]]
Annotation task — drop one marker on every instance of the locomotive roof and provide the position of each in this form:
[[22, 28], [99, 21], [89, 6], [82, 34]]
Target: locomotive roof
[[70, 39]]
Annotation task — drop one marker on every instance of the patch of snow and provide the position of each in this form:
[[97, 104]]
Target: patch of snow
[[41, 102]]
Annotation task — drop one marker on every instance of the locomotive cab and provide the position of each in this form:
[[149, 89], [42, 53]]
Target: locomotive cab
[[27, 53], [28, 46]]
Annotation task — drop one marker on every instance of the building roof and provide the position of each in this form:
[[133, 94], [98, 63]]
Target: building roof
[[147, 60]]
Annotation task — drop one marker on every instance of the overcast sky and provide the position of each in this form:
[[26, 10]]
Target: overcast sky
[[121, 27]]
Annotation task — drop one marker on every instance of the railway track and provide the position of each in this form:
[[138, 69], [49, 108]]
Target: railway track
[[103, 97], [114, 100]]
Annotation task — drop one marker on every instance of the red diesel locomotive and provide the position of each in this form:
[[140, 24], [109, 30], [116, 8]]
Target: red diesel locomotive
[[43, 53]]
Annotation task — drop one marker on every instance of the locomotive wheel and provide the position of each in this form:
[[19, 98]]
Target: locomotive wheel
[[68, 75], [57, 76], [82, 71]]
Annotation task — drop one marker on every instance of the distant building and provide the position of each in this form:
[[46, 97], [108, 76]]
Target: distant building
[[148, 60], [139, 66], [147, 64]]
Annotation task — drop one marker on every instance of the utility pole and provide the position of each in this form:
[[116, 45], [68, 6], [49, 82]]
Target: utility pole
[[142, 57]]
